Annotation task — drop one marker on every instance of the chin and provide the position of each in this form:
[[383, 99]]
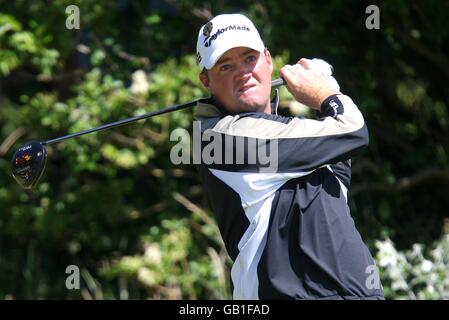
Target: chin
[[251, 106], [253, 101]]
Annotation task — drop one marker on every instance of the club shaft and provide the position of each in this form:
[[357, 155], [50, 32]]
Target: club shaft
[[275, 83], [122, 122]]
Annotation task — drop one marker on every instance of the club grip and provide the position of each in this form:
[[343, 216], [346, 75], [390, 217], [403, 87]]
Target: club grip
[[323, 65], [277, 82]]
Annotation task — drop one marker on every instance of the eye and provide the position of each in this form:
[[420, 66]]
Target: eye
[[225, 67], [251, 58]]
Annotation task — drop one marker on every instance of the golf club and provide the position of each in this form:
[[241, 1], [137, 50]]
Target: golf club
[[28, 162]]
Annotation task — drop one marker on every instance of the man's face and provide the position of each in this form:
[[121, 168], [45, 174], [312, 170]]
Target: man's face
[[241, 80]]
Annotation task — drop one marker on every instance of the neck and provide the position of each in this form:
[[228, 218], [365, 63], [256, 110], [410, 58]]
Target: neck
[[225, 110], [268, 108]]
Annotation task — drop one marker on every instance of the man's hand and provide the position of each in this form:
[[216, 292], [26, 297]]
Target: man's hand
[[308, 84]]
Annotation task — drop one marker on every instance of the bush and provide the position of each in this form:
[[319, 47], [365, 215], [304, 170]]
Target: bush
[[417, 273]]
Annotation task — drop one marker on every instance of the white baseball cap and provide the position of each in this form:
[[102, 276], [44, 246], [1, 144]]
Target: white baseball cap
[[225, 32]]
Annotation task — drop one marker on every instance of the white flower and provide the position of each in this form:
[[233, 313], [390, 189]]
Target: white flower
[[388, 255], [432, 278], [437, 253], [399, 285], [417, 249], [386, 247], [426, 266], [147, 277], [152, 254], [140, 83], [387, 261]]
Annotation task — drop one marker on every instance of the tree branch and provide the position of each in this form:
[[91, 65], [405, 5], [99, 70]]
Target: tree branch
[[10, 140], [432, 54], [403, 184], [133, 58]]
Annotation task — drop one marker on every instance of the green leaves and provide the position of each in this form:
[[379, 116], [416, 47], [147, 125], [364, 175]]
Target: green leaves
[[8, 23], [170, 259], [21, 47], [24, 41], [107, 200], [8, 62]]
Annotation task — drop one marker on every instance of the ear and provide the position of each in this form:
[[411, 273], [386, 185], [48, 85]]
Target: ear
[[268, 57], [204, 78]]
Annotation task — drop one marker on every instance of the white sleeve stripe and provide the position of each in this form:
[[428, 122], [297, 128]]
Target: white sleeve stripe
[[350, 121]]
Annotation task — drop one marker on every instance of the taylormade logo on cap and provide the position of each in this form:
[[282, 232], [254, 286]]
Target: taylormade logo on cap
[[225, 32], [208, 40]]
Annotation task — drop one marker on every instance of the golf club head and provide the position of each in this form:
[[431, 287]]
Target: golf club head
[[28, 163]]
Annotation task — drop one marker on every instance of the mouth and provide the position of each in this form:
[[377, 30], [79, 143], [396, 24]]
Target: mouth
[[246, 88]]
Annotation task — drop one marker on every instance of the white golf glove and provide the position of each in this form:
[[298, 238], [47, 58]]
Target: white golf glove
[[326, 69]]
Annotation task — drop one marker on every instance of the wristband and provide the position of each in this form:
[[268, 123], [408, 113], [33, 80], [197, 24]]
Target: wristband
[[331, 106]]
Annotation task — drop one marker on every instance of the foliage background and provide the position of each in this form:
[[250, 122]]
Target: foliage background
[[139, 227]]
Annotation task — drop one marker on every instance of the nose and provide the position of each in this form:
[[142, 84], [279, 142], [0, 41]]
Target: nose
[[243, 73]]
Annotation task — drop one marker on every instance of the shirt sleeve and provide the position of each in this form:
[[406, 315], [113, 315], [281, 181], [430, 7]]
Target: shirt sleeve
[[253, 141]]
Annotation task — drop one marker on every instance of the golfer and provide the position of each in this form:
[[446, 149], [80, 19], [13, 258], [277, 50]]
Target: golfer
[[286, 224]]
